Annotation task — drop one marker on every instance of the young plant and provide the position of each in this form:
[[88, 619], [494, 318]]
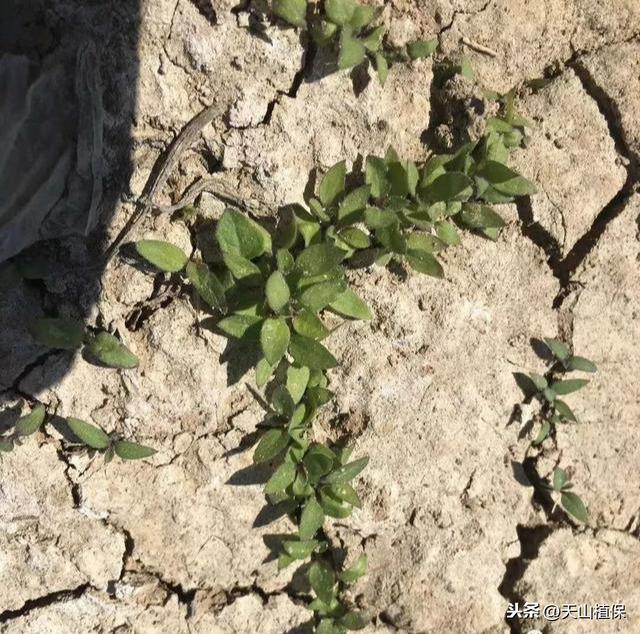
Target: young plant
[[25, 426], [70, 334], [546, 390], [569, 501], [97, 441], [352, 29]]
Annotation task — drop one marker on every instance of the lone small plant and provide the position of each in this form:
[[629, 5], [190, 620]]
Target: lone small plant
[[546, 390]]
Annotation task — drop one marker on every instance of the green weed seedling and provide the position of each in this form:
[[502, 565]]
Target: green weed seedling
[[69, 334], [352, 29], [569, 501], [25, 426], [546, 390], [549, 388], [97, 441]]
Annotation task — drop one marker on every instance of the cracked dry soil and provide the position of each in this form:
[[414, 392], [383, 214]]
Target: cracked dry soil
[[426, 389]]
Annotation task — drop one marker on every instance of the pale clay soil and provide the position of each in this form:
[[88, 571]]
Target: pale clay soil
[[426, 389]]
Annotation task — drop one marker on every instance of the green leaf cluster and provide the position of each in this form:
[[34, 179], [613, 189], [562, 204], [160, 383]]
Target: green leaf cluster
[[353, 29], [69, 334], [547, 389], [24, 426], [98, 441], [570, 501]]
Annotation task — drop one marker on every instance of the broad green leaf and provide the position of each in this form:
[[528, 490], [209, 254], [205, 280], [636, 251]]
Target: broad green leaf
[[449, 186], [382, 68], [580, 363], [354, 202], [300, 549], [505, 180], [90, 435], [30, 423], [417, 241], [421, 48], [332, 184], [334, 507], [568, 386], [559, 479], [310, 232], [323, 32], [242, 269], [285, 261], [559, 349], [564, 410], [282, 402], [318, 461], [347, 472], [297, 420], [207, 285], [346, 493], [307, 324], [132, 451], [271, 444], [163, 255], [539, 381], [376, 176], [573, 505], [240, 326], [391, 237], [545, 428], [309, 352], [340, 11], [283, 476], [424, 262], [241, 236], [322, 578], [355, 238], [447, 232], [274, 339], [379, 218], [355, 620], [363, 15], [284, 560], [327, 626], [352, 50], [292, 11], [311, 519], [277, 291], [352, 574], [318, 209], [301, 487], [263, 371], [56, 332], [349, 304], [319, 258], [316, 297], [297, 380], [399, 179], [318, 396], [110, 351], [477, 216], [549, 394]]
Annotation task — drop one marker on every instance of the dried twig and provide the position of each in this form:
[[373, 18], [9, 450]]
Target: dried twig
[[160, 173], [479, 47]]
